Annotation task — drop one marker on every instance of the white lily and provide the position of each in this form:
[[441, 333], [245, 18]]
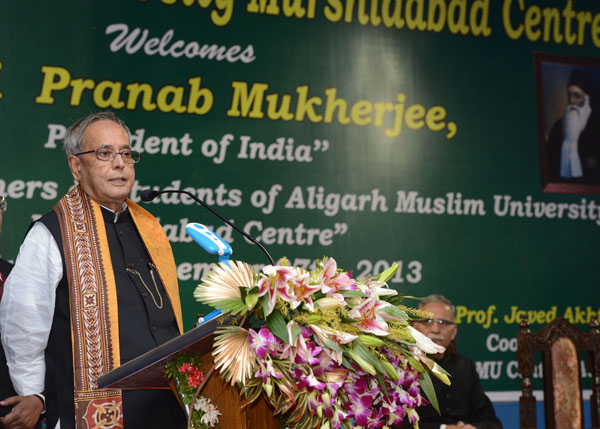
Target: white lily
[[425, 343]]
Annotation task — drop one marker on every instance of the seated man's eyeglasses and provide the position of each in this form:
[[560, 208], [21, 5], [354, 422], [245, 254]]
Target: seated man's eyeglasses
[[3, 203], [106, 154], [440, 322]]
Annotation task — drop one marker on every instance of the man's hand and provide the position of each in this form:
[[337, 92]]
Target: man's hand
[[25, 413]]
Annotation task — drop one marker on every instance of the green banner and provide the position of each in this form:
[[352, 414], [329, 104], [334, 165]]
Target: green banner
[[371, 131]]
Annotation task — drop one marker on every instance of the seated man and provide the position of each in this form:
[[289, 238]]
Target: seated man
[[462, 404]]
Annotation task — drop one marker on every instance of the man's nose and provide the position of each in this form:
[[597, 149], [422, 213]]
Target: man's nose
[[435, 328], [118, 161]]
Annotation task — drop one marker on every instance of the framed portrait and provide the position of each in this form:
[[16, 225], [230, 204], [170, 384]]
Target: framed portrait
[[568, 115]]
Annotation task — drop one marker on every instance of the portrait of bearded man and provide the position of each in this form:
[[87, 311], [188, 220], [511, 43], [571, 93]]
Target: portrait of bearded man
[[573, 145]]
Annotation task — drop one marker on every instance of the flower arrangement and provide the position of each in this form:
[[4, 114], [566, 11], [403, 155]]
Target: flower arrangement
[[185, 372], [326, 350]]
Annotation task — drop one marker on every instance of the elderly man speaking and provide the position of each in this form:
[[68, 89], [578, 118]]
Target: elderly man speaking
[[94, 285]]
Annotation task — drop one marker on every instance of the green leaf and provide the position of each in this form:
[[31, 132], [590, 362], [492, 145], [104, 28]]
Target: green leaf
[[314, 318], [357, 357], [392, 299], [232, 305], [353, 293], [277, 326], [254, 394], [395, 312], [415, 363], [367, 355], [265, 304], [347, 364], [251, 300], [382, 385], [243, 292], [427, 387], [390, 370], [332, 345], [404, 342], [389, 273], [296, 330], [371, 340]]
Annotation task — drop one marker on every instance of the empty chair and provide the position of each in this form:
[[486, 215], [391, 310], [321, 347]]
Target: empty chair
[[562, 346]]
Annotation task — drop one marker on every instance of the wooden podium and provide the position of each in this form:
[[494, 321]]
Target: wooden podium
[[147, 372]]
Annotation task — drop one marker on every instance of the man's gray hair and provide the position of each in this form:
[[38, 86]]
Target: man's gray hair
[[73, 140], [438, 298]]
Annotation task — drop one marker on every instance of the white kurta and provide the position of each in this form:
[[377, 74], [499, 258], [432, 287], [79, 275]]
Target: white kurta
[[27, 309]]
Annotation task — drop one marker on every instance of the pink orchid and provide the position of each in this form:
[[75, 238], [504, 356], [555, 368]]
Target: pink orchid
[[360, 406], [325, 364], [395, 412], [264, 342], [412, 415], [338, 416], [308, 379], [266, 370]]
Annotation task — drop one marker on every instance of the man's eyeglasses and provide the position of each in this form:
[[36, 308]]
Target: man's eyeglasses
[[440, 322], [109, 155], [3, 203]]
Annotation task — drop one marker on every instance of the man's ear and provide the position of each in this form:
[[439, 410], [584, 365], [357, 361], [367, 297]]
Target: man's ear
[[455, 331], [75, 166]]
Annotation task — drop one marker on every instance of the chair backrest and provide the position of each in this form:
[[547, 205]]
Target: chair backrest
[[561, 345]]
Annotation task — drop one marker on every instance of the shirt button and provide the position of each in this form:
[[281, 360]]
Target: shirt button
[[154, 329], [130, 265], [145, 295], [121, 233]]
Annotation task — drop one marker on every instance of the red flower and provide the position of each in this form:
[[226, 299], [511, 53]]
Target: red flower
[[195, 377], [185, 368]]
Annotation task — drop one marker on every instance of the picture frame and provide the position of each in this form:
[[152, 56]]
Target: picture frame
[[553, 75]]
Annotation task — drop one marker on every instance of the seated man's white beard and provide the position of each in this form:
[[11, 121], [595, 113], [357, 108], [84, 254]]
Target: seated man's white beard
[[574, 122]]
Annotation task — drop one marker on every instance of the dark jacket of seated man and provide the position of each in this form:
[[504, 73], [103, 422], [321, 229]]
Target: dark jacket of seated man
[[464, 400]]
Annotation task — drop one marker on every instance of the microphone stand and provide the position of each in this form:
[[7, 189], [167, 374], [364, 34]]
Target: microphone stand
[[149, 194]]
